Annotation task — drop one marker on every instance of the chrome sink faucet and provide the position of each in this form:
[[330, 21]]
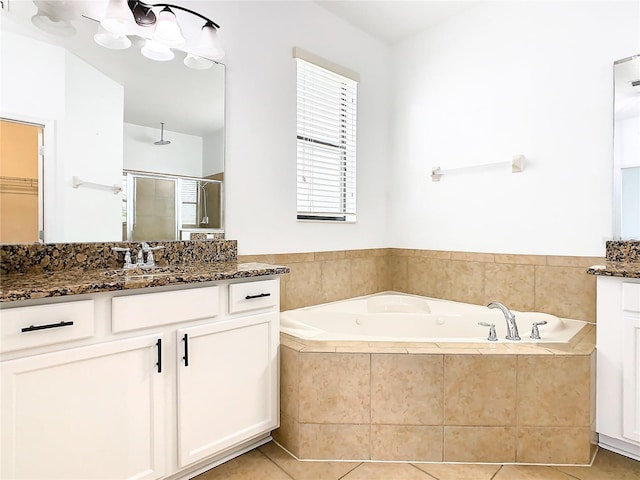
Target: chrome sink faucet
[[140, 261], [512, 327]]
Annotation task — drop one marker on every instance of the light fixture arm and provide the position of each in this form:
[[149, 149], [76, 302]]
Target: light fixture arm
[[133, 4]]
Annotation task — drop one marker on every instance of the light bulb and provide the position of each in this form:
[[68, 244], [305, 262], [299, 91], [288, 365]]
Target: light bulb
[[196, 62], [167, 29], [119, 19], [111, 40], [157, 51], [209, 44]]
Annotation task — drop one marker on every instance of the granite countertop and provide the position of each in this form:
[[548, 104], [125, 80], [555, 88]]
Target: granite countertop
[[25, 286], [616, 269]]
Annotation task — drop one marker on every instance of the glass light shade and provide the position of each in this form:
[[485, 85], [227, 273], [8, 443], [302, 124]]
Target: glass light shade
[[118, 18], [55, 26], [157, 51], [196, 62], [111, 40], [168, 30], [209, 45]]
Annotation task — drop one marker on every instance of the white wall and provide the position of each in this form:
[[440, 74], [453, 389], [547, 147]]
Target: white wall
[[505, 78], [260, 161], [183, 156], [213, 153]]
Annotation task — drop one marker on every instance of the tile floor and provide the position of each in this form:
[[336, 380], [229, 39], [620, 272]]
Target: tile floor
[[270, 462]]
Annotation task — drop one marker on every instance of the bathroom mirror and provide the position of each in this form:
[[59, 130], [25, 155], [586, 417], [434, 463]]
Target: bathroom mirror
[[99, 112], [626, 149]]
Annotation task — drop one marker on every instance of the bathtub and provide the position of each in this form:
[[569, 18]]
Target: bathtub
[[398, 317]]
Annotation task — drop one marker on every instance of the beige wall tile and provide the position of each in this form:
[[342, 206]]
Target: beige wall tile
[[565, 261], [336, 280], [465, 282], [441, 254], [510, 284], [289, 381], [383, 273], [554, 445], [520, 259], [368, 253], [287, 434], [566, 292], [406, 443], [473, 257], [335, 255], [398, 273], [554, 391], [406, 389], [334, 442], [479, 390], [364, 278], [428, 277], [304, 285], [402, 252], [287, 258], [334, 388], [480, 444]]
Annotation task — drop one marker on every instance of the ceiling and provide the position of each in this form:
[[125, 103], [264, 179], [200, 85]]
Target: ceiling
[[392, 21]]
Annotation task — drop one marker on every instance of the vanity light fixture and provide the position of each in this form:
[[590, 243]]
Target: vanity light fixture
[[162, 31], [156, 23]]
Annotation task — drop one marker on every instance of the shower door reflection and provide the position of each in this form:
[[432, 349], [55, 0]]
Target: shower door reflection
[[163, 207]]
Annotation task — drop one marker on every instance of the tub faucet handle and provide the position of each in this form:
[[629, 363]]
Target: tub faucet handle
[[492, 331], [535, 333]]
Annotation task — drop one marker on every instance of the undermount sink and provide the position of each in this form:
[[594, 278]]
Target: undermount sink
[[140, 271]]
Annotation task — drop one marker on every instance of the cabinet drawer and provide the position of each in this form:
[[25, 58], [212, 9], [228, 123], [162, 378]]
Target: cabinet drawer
[[631, 297], [152, 309], [253, 295], [40, 325]]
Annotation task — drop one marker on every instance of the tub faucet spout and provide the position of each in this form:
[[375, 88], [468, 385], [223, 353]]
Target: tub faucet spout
[[512, 327]]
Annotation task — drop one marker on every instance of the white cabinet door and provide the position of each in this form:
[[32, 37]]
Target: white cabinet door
[[227, 384], [93, 412]]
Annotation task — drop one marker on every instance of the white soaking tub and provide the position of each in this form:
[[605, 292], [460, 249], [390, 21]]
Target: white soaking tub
[[399, 317]]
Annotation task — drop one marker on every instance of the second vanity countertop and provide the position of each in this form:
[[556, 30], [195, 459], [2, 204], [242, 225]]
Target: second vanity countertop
[[27, 286], [616, 269]]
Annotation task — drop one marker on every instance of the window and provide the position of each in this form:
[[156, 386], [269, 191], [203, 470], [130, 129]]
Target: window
[[326, 140]]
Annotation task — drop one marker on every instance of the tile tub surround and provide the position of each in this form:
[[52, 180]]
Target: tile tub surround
[[558, 285], [505, 403], [52, 257]]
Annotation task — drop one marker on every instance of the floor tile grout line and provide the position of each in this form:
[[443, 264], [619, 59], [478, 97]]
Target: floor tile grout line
[[278, 466], [496, 473], [347, 473], [422, 471]]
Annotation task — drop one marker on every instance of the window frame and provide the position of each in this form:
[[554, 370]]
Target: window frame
[[330, 155]]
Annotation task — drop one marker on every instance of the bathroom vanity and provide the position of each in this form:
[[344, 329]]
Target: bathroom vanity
[[618, 354], [139, 381]]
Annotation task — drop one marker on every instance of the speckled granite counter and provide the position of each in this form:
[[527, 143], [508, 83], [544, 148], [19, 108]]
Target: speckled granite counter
[[623, 260], [41, 270], [25, 286]]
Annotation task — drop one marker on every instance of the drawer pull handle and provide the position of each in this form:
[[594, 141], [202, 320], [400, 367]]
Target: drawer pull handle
[[185, 339], [260, 295], [44, 327], [159, 363]]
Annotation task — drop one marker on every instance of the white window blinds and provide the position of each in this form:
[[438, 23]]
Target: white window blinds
[[326, 143]]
